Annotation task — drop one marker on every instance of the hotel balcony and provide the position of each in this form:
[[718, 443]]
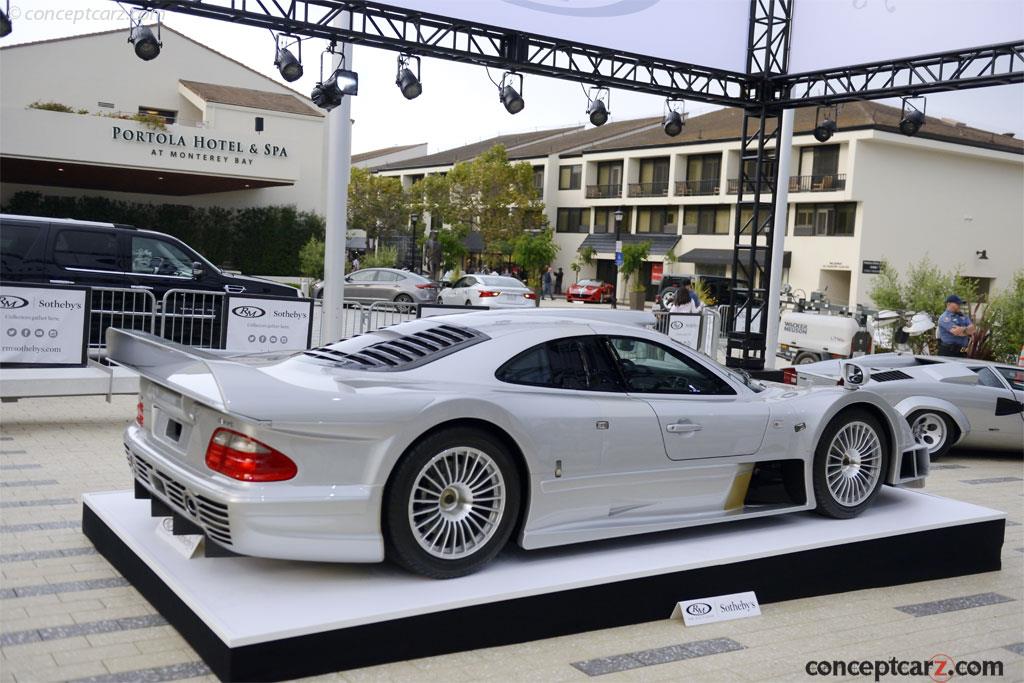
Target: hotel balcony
[[604, 191], [817, 183], [694, 188], [659, 189]]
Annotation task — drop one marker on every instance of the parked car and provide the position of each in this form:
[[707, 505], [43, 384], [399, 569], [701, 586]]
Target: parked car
[[718, 288], [385, 284], [432, 441], [493, 291], [93, 254], [946, 400], [590, 291]]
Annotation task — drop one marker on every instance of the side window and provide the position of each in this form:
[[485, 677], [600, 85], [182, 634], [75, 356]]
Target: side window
[[387, 276], [465, 282], [577, 363], [15, 242], [1015, 377], [987, 378], [650, 368], [362, 276], [155, 256], [91, 249]]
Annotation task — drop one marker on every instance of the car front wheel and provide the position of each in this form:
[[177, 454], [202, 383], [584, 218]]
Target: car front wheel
[[934, 430], [452, 504], [849, 464]]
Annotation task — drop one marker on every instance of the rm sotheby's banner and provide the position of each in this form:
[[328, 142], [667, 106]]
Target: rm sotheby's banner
[[685, 328], [43, 326], [260, 324]]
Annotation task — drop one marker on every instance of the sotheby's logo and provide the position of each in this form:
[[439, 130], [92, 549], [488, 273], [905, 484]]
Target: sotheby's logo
[[717, 608], [586, 8], [8, 301], [248, 311]]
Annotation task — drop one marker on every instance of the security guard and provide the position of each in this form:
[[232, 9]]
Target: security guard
[[955, 328]]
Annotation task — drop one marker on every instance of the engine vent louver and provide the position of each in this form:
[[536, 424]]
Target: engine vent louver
[[889, 376], [404, 352]]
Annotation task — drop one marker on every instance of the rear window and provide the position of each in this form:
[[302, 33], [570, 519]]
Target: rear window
[[90, 249], [16, 240], [499, 281]]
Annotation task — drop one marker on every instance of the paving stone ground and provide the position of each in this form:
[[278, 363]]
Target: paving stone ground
[[66, 614]]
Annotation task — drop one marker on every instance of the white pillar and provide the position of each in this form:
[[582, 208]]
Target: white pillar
[[339, 159], [778, 238]]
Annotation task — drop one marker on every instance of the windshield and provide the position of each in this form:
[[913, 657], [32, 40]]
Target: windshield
[[499, 281], [590, 283]]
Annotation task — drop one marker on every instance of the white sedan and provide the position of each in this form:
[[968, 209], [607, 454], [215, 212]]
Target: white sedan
[[493, 291]]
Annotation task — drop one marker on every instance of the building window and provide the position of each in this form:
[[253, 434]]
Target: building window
[[653, 179], [825, 219], [656, 219], [609, 181], [747, 214], [706, 220], [571, 220], [415, 178], [703, 173], [169, 116], [710, 270], [569, 177], [604, 220], [819, 160], [538, 179]]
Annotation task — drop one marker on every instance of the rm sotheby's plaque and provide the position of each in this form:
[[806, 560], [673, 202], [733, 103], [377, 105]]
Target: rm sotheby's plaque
[[262, 324], [43, 326], [718, 608]]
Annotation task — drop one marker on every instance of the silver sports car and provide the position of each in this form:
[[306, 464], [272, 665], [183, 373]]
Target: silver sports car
[[435, 441], [946, 400]]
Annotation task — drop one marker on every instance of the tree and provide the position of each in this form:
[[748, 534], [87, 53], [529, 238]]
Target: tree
[[633, 257], [311, 259], [534, 251], [376, 204], [1005, 318]]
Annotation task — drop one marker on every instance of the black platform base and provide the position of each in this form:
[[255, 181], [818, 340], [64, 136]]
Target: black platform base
[[955, 550]]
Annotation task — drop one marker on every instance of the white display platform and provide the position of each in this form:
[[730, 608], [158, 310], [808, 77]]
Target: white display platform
[[246, 601], [92, 380]]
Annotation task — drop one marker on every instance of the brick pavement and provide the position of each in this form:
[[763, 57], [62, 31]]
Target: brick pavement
[[65, 614]]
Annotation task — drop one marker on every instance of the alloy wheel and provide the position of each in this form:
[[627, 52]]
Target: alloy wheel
[[853, 464]]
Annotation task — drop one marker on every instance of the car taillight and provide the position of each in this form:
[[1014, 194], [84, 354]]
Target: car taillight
[[530, 295], [486, 292], [426, 285], [140, 416], [789, 375], [239, 457]]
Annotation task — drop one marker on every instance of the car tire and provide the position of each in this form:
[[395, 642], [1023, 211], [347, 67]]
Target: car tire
[[440, 301], [934, 429], [430, 508], [468, 302], [850, 464], [403, 299], [805, 358]]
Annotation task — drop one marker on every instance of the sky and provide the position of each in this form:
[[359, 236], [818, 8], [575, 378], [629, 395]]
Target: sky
[[459, 104]]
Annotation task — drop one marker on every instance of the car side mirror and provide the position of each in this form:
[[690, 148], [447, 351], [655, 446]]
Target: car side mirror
[[197, 270], [855, 376], [348, 278]]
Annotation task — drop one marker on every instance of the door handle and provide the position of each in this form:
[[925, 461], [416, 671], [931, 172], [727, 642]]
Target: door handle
[[683, 427]]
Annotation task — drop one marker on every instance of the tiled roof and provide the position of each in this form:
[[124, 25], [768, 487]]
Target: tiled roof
[[373, 154], [583, 138], [248, 97], [725, 124], [449, 157]]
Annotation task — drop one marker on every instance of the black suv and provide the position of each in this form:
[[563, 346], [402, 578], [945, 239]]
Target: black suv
[[63, 251]]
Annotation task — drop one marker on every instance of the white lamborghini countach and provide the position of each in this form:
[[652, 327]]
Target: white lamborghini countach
[[436, 441]]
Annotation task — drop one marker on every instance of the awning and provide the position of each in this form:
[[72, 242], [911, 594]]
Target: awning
[[723, 257], [604, 242]]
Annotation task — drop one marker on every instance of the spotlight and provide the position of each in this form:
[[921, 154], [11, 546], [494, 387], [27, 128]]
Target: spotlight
[[597, 109], [509, 96], [824, 130], [673, 121], [5, 24], [288, 65], [327, 94], [147, 46], [407, 81]]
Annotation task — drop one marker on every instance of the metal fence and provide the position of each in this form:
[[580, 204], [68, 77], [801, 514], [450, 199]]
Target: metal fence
[[133, 309], [359, 319]]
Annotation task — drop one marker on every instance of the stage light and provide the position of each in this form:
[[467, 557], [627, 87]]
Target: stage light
[[147, 46], [597, 106], [288, 65], [327, 94], [674, 119], [5, 23], [913, 117], [406, 80], [824, 130], [509, 96]]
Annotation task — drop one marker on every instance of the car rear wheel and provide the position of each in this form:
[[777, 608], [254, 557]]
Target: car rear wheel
[[805, 358], [850, 464], [468, 302], [934, 430], [452, 504], [403, 299]]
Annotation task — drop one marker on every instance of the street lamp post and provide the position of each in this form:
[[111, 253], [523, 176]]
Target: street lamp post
[[414, 218], [618, 229]]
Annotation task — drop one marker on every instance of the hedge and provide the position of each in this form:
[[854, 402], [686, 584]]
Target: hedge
[[257, 241]]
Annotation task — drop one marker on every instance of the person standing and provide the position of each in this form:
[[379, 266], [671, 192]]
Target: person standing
[[355, 262], [955, 328], [558, 280], [682, 302], [547, 284]]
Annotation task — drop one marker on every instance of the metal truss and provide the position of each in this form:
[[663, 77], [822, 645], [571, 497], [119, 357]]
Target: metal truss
[[957, 70], [390, 28]]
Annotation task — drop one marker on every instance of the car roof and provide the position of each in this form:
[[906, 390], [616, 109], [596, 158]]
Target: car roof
[[43, 220]]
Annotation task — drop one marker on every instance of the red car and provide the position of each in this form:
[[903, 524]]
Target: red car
[[591, 291]]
